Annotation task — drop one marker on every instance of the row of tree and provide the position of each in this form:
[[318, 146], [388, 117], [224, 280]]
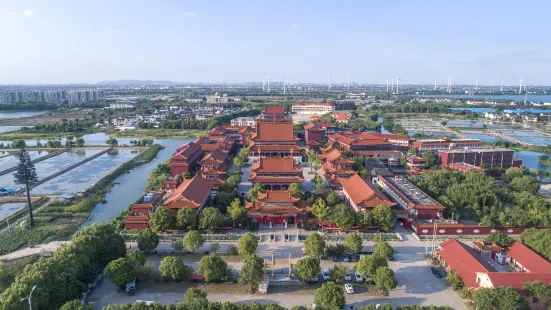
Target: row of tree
[[345, 218], [65, 275], [65, 126]]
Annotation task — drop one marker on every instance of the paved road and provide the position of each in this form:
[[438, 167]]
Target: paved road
[[416, 284]]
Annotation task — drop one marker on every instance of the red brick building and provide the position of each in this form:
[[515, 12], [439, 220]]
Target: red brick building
[[277, 207], [274, 113], [361, 142], [185, 159], [502, 158], [445, 144], [274, 139], [312, 132], [276, 173]]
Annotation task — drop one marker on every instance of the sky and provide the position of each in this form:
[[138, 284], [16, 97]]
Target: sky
[[87, 41]]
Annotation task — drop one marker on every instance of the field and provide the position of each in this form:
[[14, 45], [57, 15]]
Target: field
[[158, 133]]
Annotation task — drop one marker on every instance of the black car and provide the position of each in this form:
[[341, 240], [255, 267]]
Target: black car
[[436, 272]]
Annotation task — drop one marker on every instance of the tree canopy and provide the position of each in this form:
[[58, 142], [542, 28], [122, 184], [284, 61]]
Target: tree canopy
[[330, 296], [307, 268], [210, 219], [147, 240], [213, 268], [314, 245], [247, 244], [161, 219], [193, 240]]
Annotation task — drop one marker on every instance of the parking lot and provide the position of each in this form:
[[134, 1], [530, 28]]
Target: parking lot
[[416, 283]]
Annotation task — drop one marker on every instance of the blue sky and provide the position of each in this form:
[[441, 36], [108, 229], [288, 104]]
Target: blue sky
[[69, 41]]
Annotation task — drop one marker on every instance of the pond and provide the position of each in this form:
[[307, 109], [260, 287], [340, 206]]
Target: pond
[[7, 209], [531, 159], [94, 139], [4, 129], [21, 114], [131, 186]]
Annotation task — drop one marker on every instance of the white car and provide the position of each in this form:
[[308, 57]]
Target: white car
[[325, 274], [359, 277], [348, 276], [349, 288]]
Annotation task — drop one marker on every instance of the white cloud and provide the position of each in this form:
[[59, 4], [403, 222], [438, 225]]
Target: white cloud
[[294, 26], [189, 14], [26, 13]]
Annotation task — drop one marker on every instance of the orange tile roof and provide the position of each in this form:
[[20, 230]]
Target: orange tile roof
[[312, 127], [255, 147], [464, 261], [274, 109], [276, 165], [528, 258], [266, 131], [191, 193], [277, 196], [215, 157], [362, 193], [254, 178], [187, 150], [516, 280]]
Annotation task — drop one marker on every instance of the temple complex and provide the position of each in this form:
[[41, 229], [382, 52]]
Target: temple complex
[[276, 173], [277, 207], [274, 139]]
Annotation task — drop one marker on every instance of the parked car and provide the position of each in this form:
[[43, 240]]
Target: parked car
[[131, 287], [359, 278], [436, 272], [348, 277], [314, 279], [391, 258], [335, 258], [346, 259], [349, 288], [325, 274]]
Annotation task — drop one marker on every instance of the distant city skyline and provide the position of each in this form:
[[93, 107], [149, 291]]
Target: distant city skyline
[[65, 42]]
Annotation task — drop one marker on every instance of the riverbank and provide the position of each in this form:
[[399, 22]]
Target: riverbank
[[157, 133], [18, 135]]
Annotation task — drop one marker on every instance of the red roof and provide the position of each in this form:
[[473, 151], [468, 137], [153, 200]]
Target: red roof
[[277, 196], [276, 165], [274, 109], [187, 150], [191, 193], [274, 132], [464, 261], [363, 194], [516, 280], [528, 258]]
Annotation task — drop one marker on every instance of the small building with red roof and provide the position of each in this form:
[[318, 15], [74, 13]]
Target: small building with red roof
[[361, 195], [276, 173], [278, 207], [274, 112], [192, 193], [185, 159]]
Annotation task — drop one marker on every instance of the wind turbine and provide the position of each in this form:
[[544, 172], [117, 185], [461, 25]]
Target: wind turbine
[[476, 85], [283, 85], [392, 85], [520, 87], [329, 83], [502, 85], [263, 84], [397, 79], [449, 85], [386, 84], [348, 84]]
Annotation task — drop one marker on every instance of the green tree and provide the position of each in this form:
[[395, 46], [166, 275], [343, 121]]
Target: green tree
[[75, 305], [193, 293], [365, 219], [252, 272], [314, 245], [500, 238], [330, 296], [526, 183], [384, 217], [144, 271], [112, 142], [147, 240], [193, 240], [455, 280], [135, 257], [538, 290], [367, 265], [186, 218], [234, 180], [161, 219], [120, 271], [379, 238], [26, 174], [295, 190], [210, 219], [173, 268], [177, 244], [414, 151], [307, 268], [238, 163], [252, 194], [318, 182], [333, 199], [430, 159], [213, 268], [18, 144], [235, 211], [79, 142], [384, 278], [338, 272], [343, 216], [5, 276], [354, 243], [247, 244], [321, 210], [214, 246], [503, 298], [383, 249], [244, 154]]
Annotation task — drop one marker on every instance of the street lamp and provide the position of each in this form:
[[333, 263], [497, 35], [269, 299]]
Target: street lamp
[[29, 298]]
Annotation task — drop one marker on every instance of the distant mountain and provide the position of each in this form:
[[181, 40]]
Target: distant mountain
[[136, 82]]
